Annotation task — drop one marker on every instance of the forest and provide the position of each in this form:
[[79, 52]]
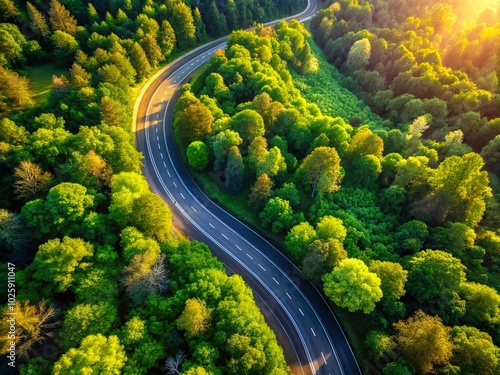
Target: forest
[[378, 175], [391, 209], [104, 283]]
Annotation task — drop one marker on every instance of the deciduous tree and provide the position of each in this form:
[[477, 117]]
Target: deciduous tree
[[31, 180], [97, 353], [321, 169], [57, 261], [424, 341], [194, 318], [353, 286]]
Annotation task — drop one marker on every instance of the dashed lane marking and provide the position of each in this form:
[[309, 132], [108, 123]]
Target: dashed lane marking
[[276, 281], [301, 312], [194, 209], [174, 183], [164, 165], [183, 197], [262, 267], [211, 225], [312, 330], [239, 248], [248, 255], [288, 295], [324, 359], [168, 173], [223, 235], [161, 154]]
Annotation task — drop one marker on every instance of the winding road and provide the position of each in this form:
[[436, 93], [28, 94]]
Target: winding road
[[305, 326]]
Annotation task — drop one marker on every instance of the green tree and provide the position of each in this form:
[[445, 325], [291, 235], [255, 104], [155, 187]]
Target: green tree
[[221, 144], [234, 171], [65, 45], [194, 120], [96, 354], [482, 304], [353, 286], [57, 261], [82, 320], [126, 187], [359, 54], [166, 38], [140, 62], [198, 155], [151, 215], [321, 170], [321, 257], [194, 318], [491, 155], [434, 274], [183, 23], [61, 19], [249, 124], [331, 227], [424, 341], [11, 44], [460, 188], [392, 276], [298, 239], [278, 214], [474, 351], [151, 49]]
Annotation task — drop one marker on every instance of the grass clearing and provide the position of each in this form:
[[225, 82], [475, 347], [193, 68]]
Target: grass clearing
[[40, 77], [324, 89]]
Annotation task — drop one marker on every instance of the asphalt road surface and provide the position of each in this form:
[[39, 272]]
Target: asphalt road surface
[[305, 326]]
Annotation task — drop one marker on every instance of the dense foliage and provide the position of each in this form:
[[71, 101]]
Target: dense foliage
[[390, 219], [103, 284]]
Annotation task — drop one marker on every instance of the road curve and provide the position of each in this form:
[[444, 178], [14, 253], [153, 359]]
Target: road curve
[[306, 327]]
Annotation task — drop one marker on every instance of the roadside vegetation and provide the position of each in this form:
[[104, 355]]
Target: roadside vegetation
[[98, 268]]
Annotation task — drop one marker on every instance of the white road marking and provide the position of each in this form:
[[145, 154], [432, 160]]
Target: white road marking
[[161, 154], [157, 139], [159, 148], [157, 130], [174, 183], [183, 197], [312, 330], [194, 209], [174, 82], [168, 173], [192, 64], [164, 165], [288, 295], [211, 225], [197, 60], [301, 312], [248, 255], [223, 235], [239, 248], [262, 267], [324, 359], [276, 281]]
